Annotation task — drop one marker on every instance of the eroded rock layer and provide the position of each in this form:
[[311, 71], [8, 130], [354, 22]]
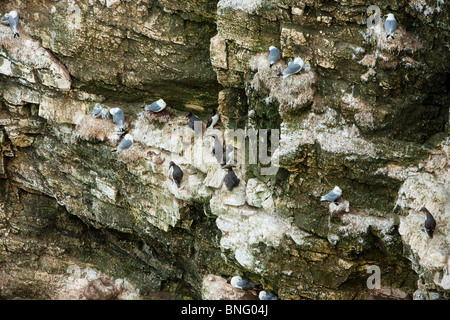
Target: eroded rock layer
[[370, 115]]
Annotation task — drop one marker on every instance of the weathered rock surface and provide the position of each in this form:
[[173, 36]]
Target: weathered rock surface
[[430, 188], [217, 288], [370, 115]]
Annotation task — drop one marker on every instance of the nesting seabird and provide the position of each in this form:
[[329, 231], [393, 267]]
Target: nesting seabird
[[105, 113], [293, 67], [274, 55], [231, 179], [240, 283], [390, 25], [126, 143], [177, 173], [12, 19], [156, 106], [192, 119], [430, 223], [118, 118], [264, 295], [213, 118], [97, 111], [333, 195]]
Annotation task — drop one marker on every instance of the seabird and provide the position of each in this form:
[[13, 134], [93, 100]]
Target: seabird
[[156, 106], [274, 55], [430, 223], [231, 180], [390, 25], [217, 149], [97, 111], [293, 67], [332, 195], [105, 113], [118, 118], [228, 155], [213, 118], [126, 143], [263, 295], [177, 173], [192, 119], [240, 283], [12, 19]]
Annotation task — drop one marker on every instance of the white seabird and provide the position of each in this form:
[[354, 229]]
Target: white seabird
[[390, 25], [97, 111], [126, 143], [263, 295], [118, 118], [228, 156], [293, 67], [240, 283], [105, 113], [12, 19], [274, 55], [156, 106], [332, 195]]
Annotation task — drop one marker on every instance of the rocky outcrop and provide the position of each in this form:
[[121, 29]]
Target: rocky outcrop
[[428, 187], [129, 51], [369, 115]]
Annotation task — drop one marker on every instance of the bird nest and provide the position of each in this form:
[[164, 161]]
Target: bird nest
[[133, 154], [293, 93], [90, 128], [403, 40], [161, 117]]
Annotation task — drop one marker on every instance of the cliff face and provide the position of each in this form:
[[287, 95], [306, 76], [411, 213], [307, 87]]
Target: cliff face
[[370, 115]]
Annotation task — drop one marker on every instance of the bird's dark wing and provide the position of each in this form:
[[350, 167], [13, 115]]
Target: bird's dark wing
[[177, 175], [192, 121], [430, 222], [229, 181], [177, 172], [236, 180]]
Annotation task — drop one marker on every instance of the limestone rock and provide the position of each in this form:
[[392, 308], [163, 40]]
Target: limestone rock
[[428, 188], [368, 114], [259, 195], [342, 206], [30, 58]]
